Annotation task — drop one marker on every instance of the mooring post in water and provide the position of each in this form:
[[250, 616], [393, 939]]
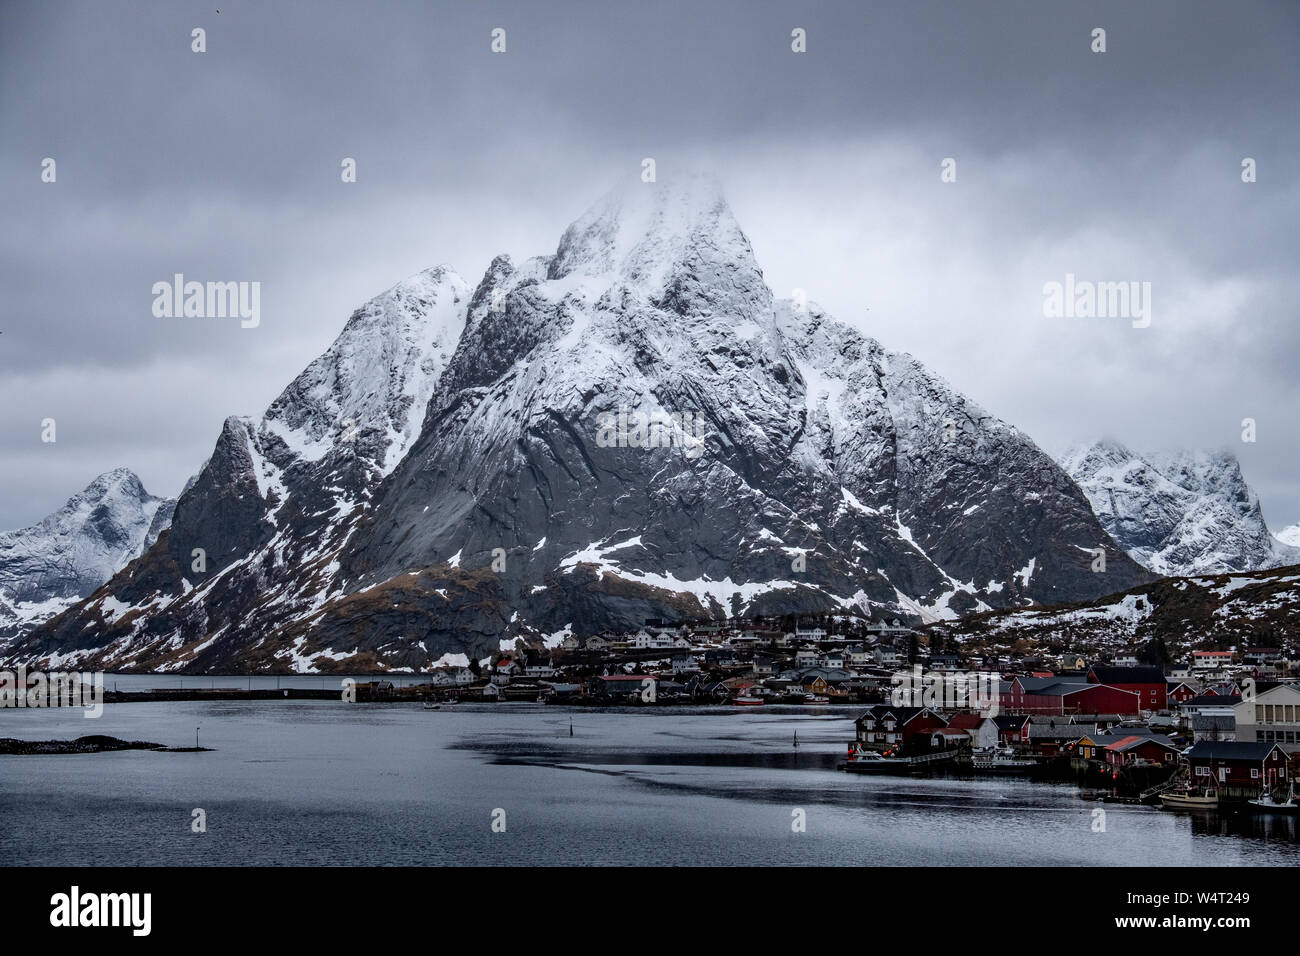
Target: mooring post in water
[[196, 738], [570, 726]]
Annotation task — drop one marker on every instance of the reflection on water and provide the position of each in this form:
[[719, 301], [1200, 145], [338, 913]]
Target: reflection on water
[[1262, 826], [318, 782]]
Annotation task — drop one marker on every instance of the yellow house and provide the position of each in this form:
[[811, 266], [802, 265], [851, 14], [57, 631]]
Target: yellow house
[[1089, 749]]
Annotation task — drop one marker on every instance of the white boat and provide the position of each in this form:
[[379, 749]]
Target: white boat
[[432, 705], [1190, 799], [815, 699], [1266, 804], [860, 760], [746, 701], [1000, 761]]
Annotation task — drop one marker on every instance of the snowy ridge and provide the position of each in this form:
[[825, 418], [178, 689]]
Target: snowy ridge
[[371, 385], [280, 496], [1253, 608], [52, 565], [1180, 513]]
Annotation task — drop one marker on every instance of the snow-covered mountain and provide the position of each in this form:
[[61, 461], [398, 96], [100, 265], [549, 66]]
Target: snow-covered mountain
[[52, 565], [631, 427], [1290, 535], [1178, 514]]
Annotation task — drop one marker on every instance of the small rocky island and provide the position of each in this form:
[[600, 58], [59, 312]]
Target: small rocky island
[[93, 744]]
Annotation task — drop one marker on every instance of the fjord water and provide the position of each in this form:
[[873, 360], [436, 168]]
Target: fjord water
[[326, 783]]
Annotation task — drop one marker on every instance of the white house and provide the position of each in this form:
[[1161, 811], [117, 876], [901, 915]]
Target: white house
[[644, 640], [808, 654], [812, 634], [1210, 660], [1273, 716], [452, 677], [886, 656], [859, 655]]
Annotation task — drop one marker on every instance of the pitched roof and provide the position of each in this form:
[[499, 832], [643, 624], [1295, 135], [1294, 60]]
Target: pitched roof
[[1231, 750], [1210, 700], [1125, 744], [1054, 687], [1214, 722], [1061, 731], [1105, 674], [903, 715]]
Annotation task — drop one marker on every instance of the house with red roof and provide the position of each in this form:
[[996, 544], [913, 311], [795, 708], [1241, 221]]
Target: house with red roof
[[1140, 748]]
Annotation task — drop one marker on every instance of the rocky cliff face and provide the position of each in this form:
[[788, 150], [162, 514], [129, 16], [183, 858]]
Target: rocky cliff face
[[52, 565], [631, 427], [1178, 514]]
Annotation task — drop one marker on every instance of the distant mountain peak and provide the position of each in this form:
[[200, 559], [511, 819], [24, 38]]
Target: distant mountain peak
[[71, 552], [1177, 512]]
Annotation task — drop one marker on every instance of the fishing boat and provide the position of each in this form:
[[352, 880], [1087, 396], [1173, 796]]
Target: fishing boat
[[744, 700], [815, 699], [432, 705], [860, 760], [1002, 761], [1266, 804], [1189, 798]]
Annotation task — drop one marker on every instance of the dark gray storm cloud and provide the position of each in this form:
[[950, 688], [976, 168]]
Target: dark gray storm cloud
[[224, 165]]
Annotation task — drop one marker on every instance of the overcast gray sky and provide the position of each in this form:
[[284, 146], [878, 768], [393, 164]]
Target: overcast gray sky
[[224, 165]]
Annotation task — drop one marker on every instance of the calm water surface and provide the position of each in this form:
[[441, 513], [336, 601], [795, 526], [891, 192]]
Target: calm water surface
[[319, 782]]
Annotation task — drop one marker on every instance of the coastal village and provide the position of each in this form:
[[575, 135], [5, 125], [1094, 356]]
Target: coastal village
[[1218, 727]]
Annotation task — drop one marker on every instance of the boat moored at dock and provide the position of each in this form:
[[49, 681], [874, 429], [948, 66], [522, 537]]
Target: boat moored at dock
[[1192, 798], [1266, 804]]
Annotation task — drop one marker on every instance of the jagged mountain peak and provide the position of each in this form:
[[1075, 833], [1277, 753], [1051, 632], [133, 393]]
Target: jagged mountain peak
[[373, 382], [1177, 512], [71, 552], [674, 242], [102, 499], [638, 223]]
